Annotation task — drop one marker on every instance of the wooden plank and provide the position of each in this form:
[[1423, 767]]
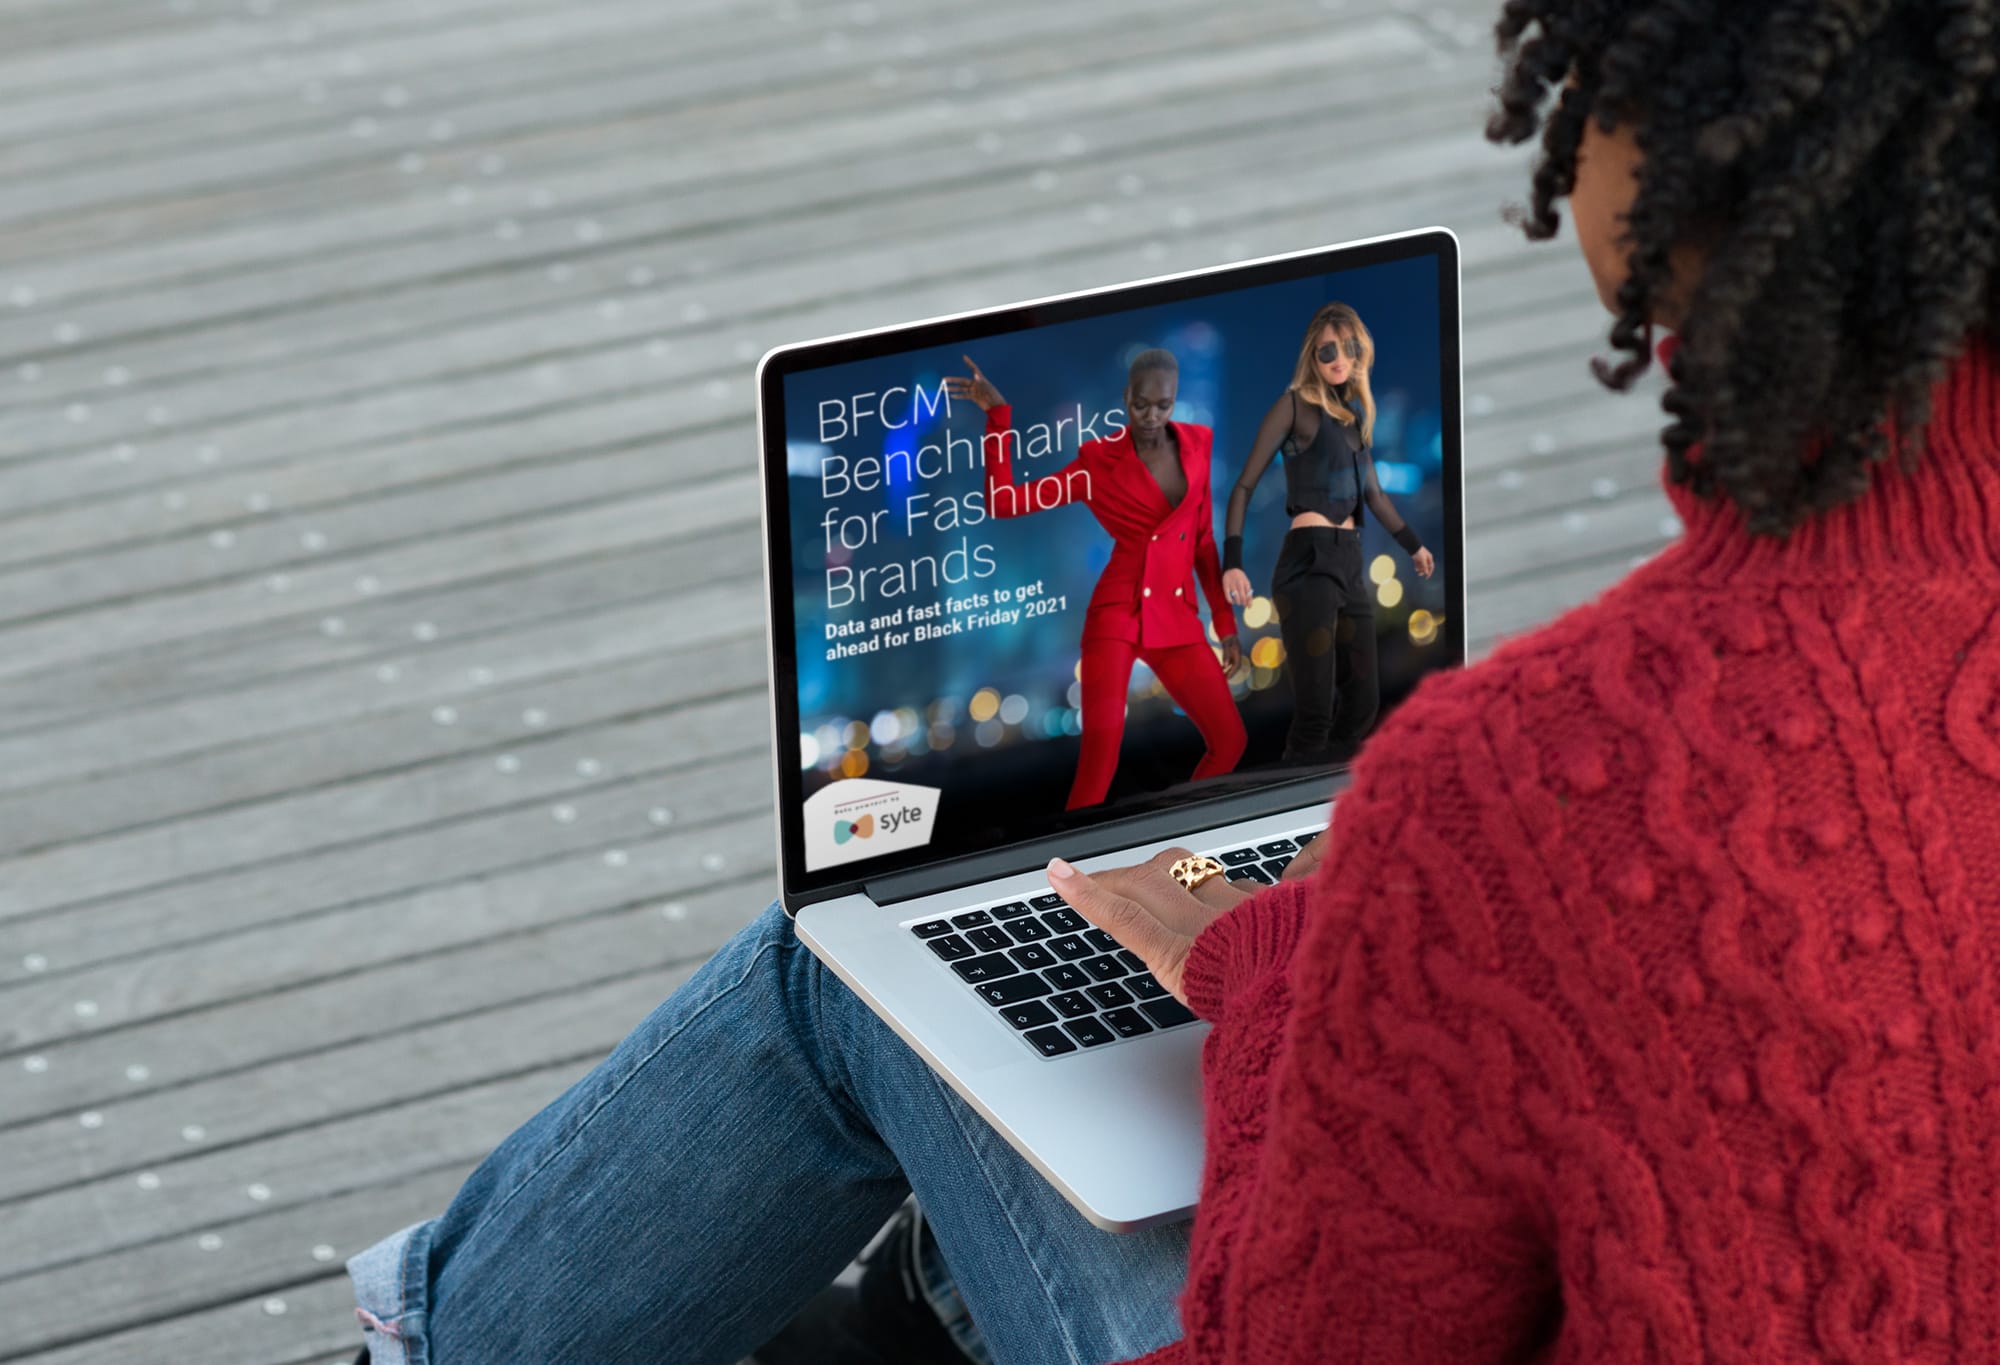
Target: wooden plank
[[140, 1131], [1528, 440], [267, 1256], [151, 729], [877, 276], [149, 287], [450, 50], [448, 1130], [358, 340], [1503, 609], [654, 205], [379, 535], [325, 171], [317, 818], [1573, 478], [715, 653], [666, 65], [452, 863], [590, 532], [306, 1164], [373, 636], [205, 47], [304, 949], [585, 922], [310, 1324], [1635, 521]]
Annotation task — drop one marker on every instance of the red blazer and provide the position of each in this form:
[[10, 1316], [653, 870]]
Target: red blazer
[[1146, 593]]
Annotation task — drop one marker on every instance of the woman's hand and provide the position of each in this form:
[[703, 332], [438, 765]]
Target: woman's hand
[[1236, 586], [1423, 559], [1145, 909], [1306, 859], [1232, 654], [978, 388]]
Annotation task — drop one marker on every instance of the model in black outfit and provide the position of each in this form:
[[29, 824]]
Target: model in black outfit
[[1324, 423]]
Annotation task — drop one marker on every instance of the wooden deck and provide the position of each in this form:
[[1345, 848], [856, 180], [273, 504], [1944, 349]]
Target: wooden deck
[[382, 725]]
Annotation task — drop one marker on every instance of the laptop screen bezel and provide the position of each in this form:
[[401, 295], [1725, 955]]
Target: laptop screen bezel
[[798, 887]]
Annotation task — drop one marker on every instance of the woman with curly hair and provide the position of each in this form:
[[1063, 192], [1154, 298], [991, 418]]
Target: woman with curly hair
[[1646, 1007]]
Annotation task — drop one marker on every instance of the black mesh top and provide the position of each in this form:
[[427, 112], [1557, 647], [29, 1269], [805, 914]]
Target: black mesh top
[[1327, 470]]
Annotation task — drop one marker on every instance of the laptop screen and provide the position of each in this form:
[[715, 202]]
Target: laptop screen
[[1042, 568]]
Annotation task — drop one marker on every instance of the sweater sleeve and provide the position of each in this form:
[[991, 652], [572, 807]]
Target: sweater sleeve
[[1360, 1202], [1241, 953]]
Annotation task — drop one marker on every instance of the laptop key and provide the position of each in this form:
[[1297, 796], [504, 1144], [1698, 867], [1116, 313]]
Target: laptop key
[[1070, 947], [1249, 874], [1127, 1023], [1236, 857], [1100, 940], [1145, 985], [1028, 930], [1048, 900], [988, 939], [972, 919], [1106, 968], [1032, 955], [1013, 990], [1276, 867], [991, 967], [1068, 976], [1011, 909], [951, 947], [1072, 1005], [1028, 1014], [1133, 962], [1109, 994], [1278, 848], [1050, 1042], [1065, 921], [930, 928], [1167, 1011], [1089, 1032]]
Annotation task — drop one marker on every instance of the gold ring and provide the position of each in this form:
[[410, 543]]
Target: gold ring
[[1192, 872]]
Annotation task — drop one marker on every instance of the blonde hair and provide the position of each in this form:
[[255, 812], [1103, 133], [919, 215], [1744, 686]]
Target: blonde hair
[[1305, 375]]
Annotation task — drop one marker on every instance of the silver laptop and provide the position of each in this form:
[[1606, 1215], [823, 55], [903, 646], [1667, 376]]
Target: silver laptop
[[993, 553]]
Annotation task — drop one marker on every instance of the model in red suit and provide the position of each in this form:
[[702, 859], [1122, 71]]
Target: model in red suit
[[1147, 486]]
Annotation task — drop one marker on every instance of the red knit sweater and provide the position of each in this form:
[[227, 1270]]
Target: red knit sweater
[[1646, 1008]]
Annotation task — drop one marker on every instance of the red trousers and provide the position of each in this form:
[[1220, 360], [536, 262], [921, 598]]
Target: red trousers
[[1192, 677]]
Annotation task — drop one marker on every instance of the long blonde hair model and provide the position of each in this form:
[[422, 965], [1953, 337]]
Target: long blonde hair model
[[1306, 377]]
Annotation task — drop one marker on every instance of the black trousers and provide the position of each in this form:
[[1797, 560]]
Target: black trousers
[[1326, 617]]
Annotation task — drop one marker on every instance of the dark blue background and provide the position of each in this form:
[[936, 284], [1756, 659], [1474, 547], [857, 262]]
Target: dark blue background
[[1236, 352]]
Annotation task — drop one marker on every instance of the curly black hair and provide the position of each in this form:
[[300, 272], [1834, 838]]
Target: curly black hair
[[1838, 164]]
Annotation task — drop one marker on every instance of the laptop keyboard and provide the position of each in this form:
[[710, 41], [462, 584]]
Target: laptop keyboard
[[1061, 985]]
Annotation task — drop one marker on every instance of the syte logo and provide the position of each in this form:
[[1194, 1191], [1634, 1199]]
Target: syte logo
[[864, 817]]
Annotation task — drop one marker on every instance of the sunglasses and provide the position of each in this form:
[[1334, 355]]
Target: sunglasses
[[1330, 352]]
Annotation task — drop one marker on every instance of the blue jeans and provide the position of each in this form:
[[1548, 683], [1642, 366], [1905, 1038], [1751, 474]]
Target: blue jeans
[[682, 1201]]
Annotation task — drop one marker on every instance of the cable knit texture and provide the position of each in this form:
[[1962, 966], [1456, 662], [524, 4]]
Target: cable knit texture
[[1645, 1010]]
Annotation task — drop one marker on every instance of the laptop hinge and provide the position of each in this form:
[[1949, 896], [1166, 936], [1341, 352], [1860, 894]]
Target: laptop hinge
[[1105, 838]]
